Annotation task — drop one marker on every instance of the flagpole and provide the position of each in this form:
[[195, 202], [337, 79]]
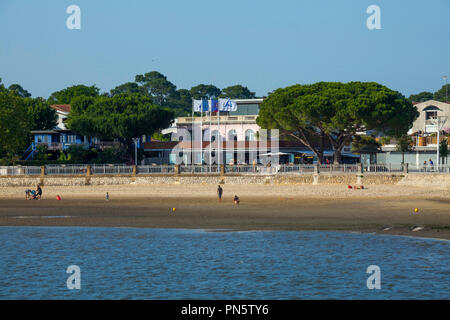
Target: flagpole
[[210, 160], [201, 134], [192, 132], [218, 130]]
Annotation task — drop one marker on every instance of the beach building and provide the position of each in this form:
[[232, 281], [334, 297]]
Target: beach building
[[60, 137], [238, 134], [424, 135]]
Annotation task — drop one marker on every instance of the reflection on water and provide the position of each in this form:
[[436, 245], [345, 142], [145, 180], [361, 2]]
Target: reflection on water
[[125, 263]]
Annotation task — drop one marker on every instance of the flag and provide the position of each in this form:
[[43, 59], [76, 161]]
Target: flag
[[227, 105], [213, 105], [200, 105]]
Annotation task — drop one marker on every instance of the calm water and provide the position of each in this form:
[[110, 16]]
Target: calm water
[[124, 263]]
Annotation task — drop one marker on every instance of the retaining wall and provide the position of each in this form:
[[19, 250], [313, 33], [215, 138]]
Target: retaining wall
[[413, 179]]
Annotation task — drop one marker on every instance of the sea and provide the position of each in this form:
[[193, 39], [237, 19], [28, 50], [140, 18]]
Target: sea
[[135, 263]]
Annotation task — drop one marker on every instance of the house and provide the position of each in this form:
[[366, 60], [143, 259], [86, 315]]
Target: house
[[423, 133], [59, 138]]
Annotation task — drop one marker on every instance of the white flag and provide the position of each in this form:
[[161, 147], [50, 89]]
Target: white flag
[[200, 105], [227, 105]]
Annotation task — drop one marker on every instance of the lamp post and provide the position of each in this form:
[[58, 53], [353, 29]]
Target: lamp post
[[135, 140], [439, 119]]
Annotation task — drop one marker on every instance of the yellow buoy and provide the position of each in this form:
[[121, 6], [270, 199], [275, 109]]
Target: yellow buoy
[[416, 210], [174, 209]]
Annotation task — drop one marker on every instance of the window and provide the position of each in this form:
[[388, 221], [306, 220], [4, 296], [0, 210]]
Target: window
[[232, 135], [250, 135], [431, 112]]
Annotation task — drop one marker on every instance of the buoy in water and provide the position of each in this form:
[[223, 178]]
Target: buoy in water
[[58, 197]]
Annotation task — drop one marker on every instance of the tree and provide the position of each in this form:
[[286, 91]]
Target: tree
[[205, 91], [127, 88], [404, 144], [180, 103], [66, 95], [121, 116], [42, 116], [14, 124], [237, 92], [421, 97], [365, 144], [442, 93], [443, 150], [156, 85], [17, 89], [335, 111]]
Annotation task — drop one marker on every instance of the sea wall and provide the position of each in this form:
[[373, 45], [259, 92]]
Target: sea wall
[[411, 179]]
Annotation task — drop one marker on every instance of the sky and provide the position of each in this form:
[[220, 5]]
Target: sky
[[261, 44]]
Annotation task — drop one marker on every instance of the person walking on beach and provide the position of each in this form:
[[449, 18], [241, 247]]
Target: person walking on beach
[[107, 196], [219, 192], [236, 200]]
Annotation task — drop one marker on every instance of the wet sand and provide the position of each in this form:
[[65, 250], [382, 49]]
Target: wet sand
[[386, 209]]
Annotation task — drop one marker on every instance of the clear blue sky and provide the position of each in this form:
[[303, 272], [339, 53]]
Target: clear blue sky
[[258, 43]]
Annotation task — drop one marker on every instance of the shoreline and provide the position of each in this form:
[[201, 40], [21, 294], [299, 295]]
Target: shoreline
[[262, 208], [419, 237]]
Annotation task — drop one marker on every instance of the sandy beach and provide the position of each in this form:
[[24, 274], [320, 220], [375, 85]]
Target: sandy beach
[[386, 209]]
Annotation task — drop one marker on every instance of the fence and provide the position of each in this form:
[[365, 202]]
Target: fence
[[217, 169]]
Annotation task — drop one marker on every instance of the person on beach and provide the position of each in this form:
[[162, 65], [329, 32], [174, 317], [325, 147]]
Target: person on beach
[[219, 192], [236, 200], [27, 194], [107, 196], [38, 192]]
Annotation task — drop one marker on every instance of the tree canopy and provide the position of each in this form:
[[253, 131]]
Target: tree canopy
[[122, 116], [17, 89], [442, 93], [421, 97], [205, 91], [14, 124], [42, 116], [335, 111], [237, 92], [66, 95]]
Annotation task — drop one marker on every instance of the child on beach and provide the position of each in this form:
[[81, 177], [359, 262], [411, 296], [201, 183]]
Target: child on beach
[[236, 200], [27, 194]]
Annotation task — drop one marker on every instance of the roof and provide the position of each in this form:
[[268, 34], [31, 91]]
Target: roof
[[61, 107]]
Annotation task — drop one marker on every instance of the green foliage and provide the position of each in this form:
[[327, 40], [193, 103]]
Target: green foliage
[[42, 152], [336, 110], [66, 95], [18, 90], [160, 137], [421, 97], [42, 116], [237, 92], [442, 93], [181, 103], [14, 124], [205, 91], [121, 116], [156, 85], [365, 144], [127, 88]]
